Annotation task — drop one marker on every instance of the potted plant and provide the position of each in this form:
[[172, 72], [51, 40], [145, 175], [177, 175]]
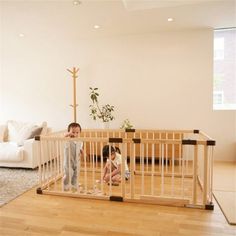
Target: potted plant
[[126, 124], [100, 112]]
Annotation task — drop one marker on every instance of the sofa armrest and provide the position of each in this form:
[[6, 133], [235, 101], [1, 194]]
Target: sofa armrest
[[3, 132], [31, 151]]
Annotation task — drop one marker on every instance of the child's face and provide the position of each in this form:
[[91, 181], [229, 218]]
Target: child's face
[[74, 132], [113, 155]]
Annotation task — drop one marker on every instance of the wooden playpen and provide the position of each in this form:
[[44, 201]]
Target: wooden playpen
[[170, 167]]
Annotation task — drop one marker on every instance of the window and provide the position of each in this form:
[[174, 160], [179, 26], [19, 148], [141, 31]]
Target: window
[[219, 48], [218, 97], [224, 90]]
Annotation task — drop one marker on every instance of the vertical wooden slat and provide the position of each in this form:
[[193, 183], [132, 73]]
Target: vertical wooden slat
[[195, 161], [126, 155], [54, 157], [96, 152], [90, 155], [162, 167], [152, 173], [173, 171], [101, 155], [147, 153], [123, 156], [93, 168], [85, 168], [180, 156], [211, 172], [205, 175], [166, 154], [61, 162], [40, 162], [183, 172], [57, 156], [140, 150], [78, 166], [132, 170], [47, 173], [110, 181], [69, 164], [142, 168], [160, 152]]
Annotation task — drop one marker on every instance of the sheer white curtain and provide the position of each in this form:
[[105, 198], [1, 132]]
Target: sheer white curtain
[[224, 89]]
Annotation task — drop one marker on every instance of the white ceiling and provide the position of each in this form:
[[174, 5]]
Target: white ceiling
[[115, 17], [148, 4]]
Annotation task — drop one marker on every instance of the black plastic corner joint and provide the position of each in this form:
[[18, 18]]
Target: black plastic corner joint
[[136, 140], [196, 131], [209, 206], [39, 191], [116, 198], [189, 142], [211, 142], [115, 140], [129, 130], [37, 138]]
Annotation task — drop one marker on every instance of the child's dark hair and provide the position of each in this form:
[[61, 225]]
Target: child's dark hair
[[118, 150], [105, 150], [73, 125]]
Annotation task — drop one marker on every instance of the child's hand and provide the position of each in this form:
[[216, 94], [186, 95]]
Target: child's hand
[[69, 135]]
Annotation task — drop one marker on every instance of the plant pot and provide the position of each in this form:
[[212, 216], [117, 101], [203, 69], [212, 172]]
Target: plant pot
[[106, 125]]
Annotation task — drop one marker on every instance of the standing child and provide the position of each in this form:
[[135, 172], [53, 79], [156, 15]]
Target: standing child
[[113, 172], [72, 152]]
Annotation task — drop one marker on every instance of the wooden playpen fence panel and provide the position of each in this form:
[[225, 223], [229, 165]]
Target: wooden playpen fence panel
[[181, 176]]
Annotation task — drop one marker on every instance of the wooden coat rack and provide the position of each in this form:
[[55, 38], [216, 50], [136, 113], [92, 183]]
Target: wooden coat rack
[[74, 72]]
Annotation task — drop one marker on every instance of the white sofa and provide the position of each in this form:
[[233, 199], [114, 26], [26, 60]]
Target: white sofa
[[18, 148]]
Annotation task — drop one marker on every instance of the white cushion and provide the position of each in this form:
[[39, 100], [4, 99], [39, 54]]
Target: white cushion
[[45, 128], [18, 132], [3, 129], [36, 132], [10, 152]]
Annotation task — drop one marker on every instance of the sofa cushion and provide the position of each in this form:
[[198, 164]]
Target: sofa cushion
[[10, 152], [45, 128], [18, 131], [36, 132]]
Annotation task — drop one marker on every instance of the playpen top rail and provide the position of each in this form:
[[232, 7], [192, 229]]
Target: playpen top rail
[[128, 130], [128, 140], [144, 134]]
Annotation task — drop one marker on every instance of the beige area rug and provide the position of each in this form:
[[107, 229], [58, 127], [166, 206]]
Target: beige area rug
[[14, 182], [227, 203], [224, 189]]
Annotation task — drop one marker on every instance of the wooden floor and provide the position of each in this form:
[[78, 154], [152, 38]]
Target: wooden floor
[[224, 176], [34, 214]]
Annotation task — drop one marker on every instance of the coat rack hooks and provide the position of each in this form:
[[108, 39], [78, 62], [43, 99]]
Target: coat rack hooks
[[74, 73]]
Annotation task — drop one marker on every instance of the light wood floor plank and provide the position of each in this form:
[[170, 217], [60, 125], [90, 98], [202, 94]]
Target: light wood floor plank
[[33, 215]]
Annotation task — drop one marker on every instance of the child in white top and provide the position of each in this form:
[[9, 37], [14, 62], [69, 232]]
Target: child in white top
[[72, 151], [116, 161]]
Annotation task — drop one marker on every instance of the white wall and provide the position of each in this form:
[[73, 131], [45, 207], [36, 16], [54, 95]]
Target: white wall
[[1, 54], [158, 81]]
